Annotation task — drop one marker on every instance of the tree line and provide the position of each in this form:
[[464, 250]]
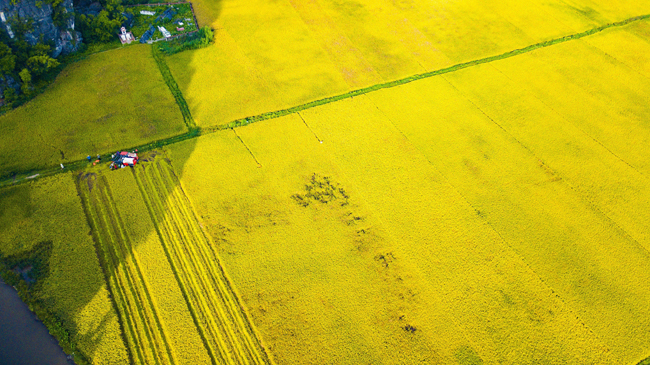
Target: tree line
[[24, 68], [25, 65]]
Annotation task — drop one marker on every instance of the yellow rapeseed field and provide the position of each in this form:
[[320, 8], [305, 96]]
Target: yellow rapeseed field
[[594, 266], [312, 267], [497, 213], [109, 100], [274, 55], [74, 289], [157, 322]]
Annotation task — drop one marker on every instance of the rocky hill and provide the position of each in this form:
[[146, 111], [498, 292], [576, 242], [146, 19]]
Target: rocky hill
[[62, 35]]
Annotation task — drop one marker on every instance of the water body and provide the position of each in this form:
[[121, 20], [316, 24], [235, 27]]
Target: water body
[[23, 339]]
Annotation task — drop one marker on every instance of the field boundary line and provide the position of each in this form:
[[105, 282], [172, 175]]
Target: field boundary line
[[20, 177], [308, 127], [247, 148], [279, 113], [167, 76]]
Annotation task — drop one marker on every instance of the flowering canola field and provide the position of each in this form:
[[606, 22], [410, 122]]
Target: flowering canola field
[[273, 55], [495, 214], [174, 300]]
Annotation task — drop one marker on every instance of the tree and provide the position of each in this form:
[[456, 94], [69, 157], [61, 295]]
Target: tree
[[10, 96], [26, 78], [114, 9], [39, 65], [100, 28], [7, 59]]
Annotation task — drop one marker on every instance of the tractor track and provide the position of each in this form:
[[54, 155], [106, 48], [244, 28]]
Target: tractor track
[[137, 309], [224, 326]]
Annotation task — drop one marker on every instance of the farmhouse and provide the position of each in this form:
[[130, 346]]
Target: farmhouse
[[126, 37]]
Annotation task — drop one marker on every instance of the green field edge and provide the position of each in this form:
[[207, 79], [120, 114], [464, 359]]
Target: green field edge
[[194, 131]]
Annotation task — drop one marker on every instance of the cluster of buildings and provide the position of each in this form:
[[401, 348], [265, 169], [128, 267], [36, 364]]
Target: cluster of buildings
[[127, 37]]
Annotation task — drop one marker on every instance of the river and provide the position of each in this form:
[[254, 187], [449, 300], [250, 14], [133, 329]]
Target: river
[[23, 339]]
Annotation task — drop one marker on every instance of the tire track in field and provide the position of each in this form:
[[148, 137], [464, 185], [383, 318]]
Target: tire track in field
[[221, 320], [144, 332]]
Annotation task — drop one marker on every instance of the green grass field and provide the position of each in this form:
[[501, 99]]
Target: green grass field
[[111, 100], [417, 213]]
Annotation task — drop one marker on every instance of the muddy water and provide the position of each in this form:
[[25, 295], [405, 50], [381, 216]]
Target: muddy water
[[23, 339]]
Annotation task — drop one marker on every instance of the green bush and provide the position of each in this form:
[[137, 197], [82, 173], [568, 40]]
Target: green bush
[[197, 40]]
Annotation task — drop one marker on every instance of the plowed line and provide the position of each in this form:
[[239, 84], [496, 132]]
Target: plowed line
[[143, 284], [133, 299], [114, 281], [123, 279], [170, 235], [200, 263], [228, 334], [226, 293], [178, 264]]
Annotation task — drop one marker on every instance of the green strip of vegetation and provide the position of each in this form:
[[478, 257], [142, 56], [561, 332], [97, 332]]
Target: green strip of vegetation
[[79, 165], [460, 66], [173, 87], [194, 131]]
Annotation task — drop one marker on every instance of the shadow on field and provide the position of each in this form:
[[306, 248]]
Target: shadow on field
[[22, 211], [127, 206], [60, 281]]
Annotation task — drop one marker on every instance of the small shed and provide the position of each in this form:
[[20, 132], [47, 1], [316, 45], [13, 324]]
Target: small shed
[[145, 37], [164, 32]]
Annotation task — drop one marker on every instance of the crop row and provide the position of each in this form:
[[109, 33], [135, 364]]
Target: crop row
[[224, 326], [140, 319], [226, 331]]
